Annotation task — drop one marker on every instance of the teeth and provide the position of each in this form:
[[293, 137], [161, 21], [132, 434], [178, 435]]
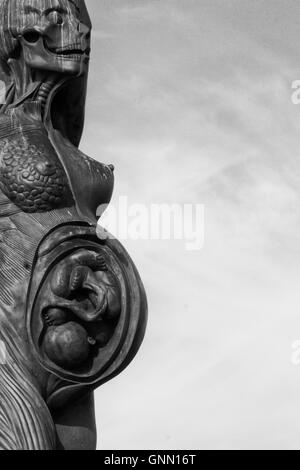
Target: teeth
[[71, 57], [71, 47], [68, 56], [72, 51]]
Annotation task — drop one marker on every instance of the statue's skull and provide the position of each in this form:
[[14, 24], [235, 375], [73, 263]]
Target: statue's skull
[[53, 34]]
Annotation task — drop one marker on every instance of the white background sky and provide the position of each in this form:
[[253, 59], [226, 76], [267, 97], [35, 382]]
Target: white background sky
[[191, 100]]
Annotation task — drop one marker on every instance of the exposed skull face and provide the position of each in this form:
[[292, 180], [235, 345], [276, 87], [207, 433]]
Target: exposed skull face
[[54, 34]]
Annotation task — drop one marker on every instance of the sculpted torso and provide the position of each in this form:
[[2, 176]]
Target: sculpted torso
[[73, 309]]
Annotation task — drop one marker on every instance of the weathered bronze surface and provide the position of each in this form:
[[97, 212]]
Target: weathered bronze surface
[[72, 307]]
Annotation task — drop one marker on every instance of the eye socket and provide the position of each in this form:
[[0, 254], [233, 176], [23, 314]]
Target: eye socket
[[31, 36], [55, 17]]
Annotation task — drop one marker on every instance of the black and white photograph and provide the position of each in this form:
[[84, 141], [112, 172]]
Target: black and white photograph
[[149, 217]]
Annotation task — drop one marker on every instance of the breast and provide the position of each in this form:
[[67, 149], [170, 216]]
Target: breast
[[41, 171], [91, 182], [31, 175]]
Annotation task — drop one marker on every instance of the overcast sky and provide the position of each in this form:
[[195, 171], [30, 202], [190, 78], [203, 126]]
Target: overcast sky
[[191, 100]]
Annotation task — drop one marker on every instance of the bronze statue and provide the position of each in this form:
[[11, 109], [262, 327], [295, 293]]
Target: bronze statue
[[72, 307]]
